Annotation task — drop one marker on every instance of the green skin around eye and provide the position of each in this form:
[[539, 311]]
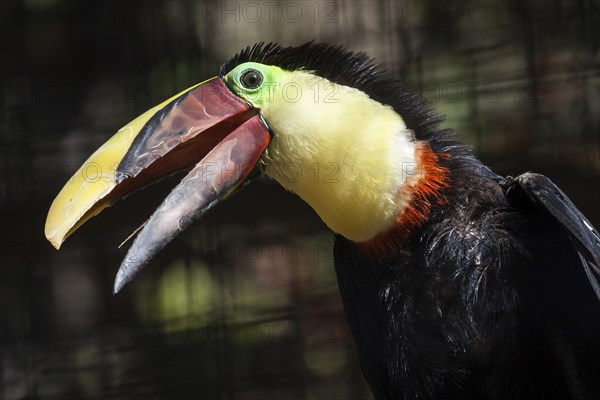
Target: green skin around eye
[[262, 94]]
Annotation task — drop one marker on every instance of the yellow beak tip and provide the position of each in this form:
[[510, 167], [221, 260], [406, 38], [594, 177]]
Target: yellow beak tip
[[55, 239]]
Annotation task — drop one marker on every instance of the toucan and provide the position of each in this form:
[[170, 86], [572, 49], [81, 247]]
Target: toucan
[[456, 282]]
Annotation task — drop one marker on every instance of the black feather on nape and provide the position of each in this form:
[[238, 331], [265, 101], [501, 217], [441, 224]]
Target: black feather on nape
[[354, 69], [324, 59]]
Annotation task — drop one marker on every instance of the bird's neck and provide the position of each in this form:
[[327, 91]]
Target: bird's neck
[[359, 167], [421, 195]]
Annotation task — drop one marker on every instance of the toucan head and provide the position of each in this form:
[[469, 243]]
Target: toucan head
[[325, 123]]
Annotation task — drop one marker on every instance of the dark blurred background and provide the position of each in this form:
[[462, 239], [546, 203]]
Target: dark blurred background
[[244, 305]]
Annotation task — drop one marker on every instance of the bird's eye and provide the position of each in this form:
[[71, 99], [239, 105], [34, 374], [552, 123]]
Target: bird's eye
[[251, 79]]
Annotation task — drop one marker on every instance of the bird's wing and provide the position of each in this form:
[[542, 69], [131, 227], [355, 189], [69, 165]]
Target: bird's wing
[[584, 237]]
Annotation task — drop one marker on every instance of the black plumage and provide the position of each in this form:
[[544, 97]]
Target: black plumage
[[490, 298]]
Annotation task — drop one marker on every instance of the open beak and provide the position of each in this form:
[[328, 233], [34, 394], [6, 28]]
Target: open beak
[[206, 129]]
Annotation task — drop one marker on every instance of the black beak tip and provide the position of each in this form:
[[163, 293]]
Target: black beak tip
[[120, 281]]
